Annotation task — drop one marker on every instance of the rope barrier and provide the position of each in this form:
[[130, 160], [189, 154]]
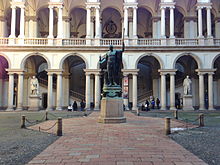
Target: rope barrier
[[48, 128]]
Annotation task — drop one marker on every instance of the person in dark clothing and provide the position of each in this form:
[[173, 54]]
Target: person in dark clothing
[[158, 103], [75, 106], [82, 105]]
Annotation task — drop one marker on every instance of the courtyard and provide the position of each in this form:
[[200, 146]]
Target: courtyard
[[139, 141]]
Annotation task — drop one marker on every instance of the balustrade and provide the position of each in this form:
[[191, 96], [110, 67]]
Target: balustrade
[[103, 42]]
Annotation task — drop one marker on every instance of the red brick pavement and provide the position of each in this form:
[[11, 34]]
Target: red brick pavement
[[140, 141]]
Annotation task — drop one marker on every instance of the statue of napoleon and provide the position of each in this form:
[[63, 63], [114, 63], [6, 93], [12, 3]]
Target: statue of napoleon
[[113, 60]]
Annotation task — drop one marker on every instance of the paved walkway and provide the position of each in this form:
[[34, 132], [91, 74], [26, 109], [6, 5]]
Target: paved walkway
[[140, 141]]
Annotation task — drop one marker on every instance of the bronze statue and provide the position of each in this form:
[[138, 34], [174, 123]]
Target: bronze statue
[[112, 61]]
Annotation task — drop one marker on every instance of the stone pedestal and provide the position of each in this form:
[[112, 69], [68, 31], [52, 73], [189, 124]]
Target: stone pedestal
[[112, 111], [34, 103], [187, 102], [112, 106]]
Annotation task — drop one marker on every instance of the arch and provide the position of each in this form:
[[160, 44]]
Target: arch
[[152, 55], [214, 60], [76, 7], [181, 10], [112, 7], [73, 54], [8, 60], [147, 8], [196, 58], [35, 54]]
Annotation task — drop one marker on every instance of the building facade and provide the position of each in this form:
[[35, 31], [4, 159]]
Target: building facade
[[60, 41]]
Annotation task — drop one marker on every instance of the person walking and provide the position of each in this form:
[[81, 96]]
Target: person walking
[[153, 103]]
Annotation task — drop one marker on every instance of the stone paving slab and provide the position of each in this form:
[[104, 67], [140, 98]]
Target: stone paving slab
[[140, 141]]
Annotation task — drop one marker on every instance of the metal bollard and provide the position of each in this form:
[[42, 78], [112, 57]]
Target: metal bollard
[[176, 114], [167, 126], [23, 121], [59, 127], [201, 120], [46, 116]]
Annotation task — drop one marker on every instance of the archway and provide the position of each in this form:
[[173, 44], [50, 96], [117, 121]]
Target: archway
[[179, 24], [8, 23], [74, 80], [111, 23], [78, 23], [216, 84], [3, 82], [148, 79], [35, 65], [144, 25], [186, 65], [43, 23]]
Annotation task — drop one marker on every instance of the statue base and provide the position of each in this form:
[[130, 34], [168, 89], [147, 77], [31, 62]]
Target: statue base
[[34, 103], [112, 111], [187, 103]]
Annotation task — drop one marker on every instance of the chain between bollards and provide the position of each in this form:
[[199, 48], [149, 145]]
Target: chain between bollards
[[23, 118], [201, 120], [59, 127], [167, 126]]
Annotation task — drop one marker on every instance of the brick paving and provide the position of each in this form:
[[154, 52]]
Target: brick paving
[[140, 141]]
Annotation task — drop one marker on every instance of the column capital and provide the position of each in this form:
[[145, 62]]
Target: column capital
[[201, 5], [156, 18], [130, 71], [54, 71], [15, 71], [167, 71], [205, 71], [167, 5]]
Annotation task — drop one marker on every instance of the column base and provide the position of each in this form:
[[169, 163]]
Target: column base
[[163, 108], [9, 109], [19, 109], [96, 109], [59, 109], [49, 109], [134, 108], [173, 108]]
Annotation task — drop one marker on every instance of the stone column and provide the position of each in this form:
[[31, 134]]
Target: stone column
[[97, 23], [51, 22], [210, 90], [163, 22], [13, 19], [125, 99], [20, 91], [172, 91], [66, 30], [97, 91], [200, 21], [209, 22], [59, 91], [135, 22], [22, 23], [217, 26], [172, 22], [88, 23], [10, 92], [88, 91], [50, 92], [163, 91], [134, 108], [60, 23], [201, 92], [125, 21]]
